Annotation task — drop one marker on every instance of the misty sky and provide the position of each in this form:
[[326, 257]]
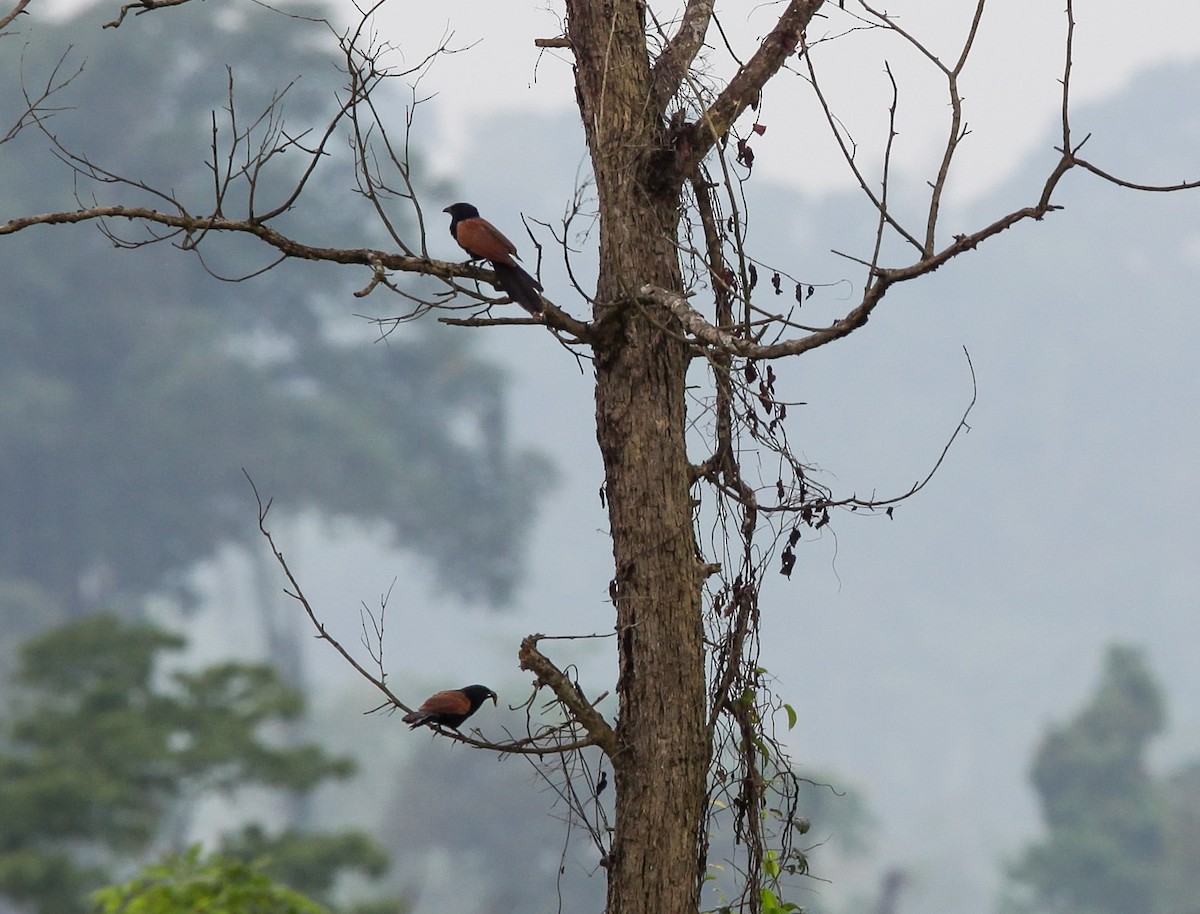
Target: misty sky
[[1011, 82]]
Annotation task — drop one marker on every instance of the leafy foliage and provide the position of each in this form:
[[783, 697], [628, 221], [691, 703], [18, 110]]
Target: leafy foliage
[[101, 749], [189, 882]]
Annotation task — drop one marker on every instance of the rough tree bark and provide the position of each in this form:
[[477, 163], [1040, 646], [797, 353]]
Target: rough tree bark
[[657, 863], [661, 765]]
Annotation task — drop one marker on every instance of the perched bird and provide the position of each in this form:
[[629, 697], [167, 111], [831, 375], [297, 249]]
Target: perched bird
[[450, 708], [483, 241]]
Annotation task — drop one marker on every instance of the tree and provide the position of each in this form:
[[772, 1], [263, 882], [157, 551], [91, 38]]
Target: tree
[[1179, 886], [1119, 837], [703, 491], [188, 882], [1104, 853], [101, 763]]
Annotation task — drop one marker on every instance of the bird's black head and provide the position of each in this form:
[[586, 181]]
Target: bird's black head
[[459, 212], [477, 695]]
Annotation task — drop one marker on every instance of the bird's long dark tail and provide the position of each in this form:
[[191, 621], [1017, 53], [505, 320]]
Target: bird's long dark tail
[[520, 286], [415, 718]]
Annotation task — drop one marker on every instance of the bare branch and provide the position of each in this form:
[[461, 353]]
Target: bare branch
[[1132, 185], [961, 427], [568, 693], [297, 594], [36, 108], [1068, 63], [676, 58], [191, 226], [17, 10], [957, 129], [489, 321], [849, 151], [885, 182], [1069, 148], [746, 86], [248, 152], [705, 333], [142, 6]]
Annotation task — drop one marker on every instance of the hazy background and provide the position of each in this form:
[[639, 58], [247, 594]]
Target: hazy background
[[925, 654]]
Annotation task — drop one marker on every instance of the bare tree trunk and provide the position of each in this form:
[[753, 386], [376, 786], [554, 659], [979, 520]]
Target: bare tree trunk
[[641, 366], [664, 751]]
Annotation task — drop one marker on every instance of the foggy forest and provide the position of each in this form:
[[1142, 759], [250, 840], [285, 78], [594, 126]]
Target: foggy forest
[[987, 691]]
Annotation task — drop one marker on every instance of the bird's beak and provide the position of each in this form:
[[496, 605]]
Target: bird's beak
[[495, 700], [446, 210]]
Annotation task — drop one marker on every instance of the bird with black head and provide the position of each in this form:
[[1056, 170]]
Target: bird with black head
[[450, 708], [483, 241]]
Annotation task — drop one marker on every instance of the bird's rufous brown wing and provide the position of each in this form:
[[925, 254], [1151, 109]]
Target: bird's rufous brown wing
[[451, 701], [481, 239]]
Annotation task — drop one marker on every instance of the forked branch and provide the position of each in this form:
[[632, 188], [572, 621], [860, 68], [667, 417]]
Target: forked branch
[[676, 58], [567, 692], [17, 9], [141, 6], [745, 88]]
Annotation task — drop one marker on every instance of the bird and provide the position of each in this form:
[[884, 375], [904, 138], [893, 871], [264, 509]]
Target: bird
[[483, 241], [449, 708]]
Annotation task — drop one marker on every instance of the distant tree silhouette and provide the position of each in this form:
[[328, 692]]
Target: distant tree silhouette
[[1119, 838], [134, 397]]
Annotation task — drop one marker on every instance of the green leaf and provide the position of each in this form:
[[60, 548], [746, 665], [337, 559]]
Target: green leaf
[[771, 865]]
